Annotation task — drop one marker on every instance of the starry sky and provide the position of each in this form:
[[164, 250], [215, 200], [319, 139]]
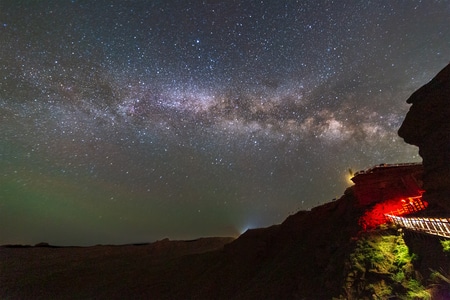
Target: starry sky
[[131, 121]]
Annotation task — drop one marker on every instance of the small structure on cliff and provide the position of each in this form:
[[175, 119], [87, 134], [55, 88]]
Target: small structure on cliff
[[388, 181], [394, 189]]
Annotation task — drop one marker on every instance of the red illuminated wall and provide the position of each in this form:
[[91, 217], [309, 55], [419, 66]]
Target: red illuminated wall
[[376, 216], [386, 182]]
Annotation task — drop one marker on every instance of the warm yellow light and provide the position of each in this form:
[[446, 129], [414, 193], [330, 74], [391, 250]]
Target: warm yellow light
[[348, 176], [348, 179]]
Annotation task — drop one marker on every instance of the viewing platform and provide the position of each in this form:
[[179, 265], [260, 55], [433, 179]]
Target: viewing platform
[[388, 181], [433, 226]]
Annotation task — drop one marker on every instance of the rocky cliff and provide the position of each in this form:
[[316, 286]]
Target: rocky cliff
[[427, 125]]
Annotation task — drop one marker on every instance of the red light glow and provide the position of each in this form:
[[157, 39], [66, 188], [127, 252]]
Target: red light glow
[[397, 207]]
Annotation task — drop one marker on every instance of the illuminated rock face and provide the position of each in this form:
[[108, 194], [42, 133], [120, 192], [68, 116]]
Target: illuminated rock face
[[388, 182], [427, 125]]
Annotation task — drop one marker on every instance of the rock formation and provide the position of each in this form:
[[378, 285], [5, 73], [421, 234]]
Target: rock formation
[[427, 125]]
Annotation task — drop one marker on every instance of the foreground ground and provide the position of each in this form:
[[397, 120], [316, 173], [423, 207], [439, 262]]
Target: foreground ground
[[317, 254]]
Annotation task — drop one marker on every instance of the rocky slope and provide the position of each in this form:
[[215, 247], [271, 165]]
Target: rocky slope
[[427, 125], [317, 254], [302, 257]]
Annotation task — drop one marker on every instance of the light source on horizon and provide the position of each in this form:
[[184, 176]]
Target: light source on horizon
[[348, 177]]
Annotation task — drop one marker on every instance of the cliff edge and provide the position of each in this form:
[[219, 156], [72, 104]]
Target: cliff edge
[[427, 125]]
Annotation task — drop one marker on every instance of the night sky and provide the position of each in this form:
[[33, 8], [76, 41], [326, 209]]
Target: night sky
[[132, 121]]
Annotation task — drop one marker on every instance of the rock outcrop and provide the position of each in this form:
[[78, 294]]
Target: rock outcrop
[[427, 125]]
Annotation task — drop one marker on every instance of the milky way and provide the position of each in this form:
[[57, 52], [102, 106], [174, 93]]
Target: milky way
[[131, 121]]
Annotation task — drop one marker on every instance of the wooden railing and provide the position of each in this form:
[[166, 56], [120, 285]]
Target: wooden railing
[[434, 226]]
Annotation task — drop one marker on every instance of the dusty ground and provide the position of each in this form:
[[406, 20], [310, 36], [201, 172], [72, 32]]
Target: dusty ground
[[95, 272]]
